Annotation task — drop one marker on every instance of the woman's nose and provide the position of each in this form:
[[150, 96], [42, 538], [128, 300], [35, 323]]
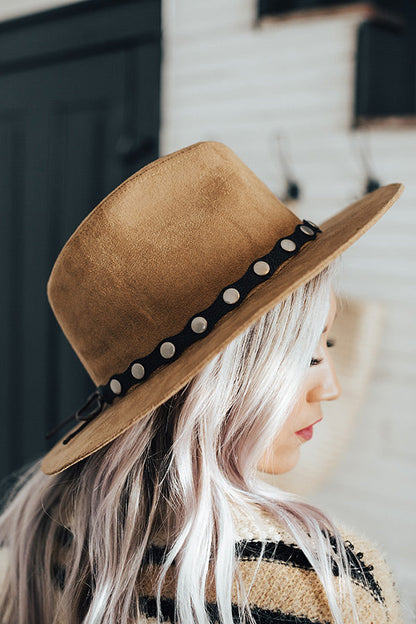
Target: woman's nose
[[327, 387], [332, 388]]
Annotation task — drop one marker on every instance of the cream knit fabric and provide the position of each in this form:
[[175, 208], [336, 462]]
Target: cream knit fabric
[[287, 584], [283, 588]]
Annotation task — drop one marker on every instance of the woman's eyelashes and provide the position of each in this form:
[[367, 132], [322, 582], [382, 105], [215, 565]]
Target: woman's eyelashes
[[315, 361]]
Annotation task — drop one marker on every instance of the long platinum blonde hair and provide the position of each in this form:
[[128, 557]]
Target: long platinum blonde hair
[[179, 467]]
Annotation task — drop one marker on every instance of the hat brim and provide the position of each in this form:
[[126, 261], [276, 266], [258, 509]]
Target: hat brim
[[338, 233]]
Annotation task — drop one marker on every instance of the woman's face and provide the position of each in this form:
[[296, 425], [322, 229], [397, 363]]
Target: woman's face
[[321, 384]]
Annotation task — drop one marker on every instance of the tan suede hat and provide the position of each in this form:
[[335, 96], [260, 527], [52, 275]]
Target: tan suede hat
[[169, 268]]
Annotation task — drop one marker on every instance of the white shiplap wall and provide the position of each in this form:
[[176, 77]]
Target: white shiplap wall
[[224, 79]]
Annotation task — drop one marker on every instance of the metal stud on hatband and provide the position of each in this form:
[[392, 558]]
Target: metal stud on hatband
[[231, 295], [167, 349], [199, 324], [261, 267], [288, 245], [137, 371], [115, 386], [311, 223], [306, 230]]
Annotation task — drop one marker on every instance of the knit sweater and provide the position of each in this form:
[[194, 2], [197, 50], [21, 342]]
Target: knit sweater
[[283, 588]]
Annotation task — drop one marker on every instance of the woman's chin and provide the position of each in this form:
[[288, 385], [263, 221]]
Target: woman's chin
[[284, 462]]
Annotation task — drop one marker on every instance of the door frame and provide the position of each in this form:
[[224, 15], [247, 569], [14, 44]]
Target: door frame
[[30, 39]]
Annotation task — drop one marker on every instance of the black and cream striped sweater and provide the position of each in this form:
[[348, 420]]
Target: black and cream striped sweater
[[283, 588], [286, 589]]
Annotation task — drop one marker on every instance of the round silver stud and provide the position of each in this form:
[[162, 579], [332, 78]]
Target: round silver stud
[[199, 324], [288, 245], [261, 267], [231, 295], [137, 370], [167, 349], [115, 386], [306, 230], [311, 223]]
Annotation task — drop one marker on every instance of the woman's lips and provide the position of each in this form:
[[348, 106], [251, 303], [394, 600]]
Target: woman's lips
[[307, 433]]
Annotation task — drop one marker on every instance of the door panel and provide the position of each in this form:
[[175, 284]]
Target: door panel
[[71, 129]]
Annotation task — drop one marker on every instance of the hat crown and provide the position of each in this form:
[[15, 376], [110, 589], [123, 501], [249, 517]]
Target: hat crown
[[158, 250]]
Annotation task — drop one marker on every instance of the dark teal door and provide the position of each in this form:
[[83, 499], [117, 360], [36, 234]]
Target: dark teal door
[[79, 112]]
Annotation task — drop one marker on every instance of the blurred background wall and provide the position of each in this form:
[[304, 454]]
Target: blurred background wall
[[301, 98]]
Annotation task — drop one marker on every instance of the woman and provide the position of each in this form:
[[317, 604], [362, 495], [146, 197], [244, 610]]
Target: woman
[[153, 508]]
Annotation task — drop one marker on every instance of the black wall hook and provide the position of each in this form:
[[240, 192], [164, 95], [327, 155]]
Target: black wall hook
[[372, 182], [292, 191]]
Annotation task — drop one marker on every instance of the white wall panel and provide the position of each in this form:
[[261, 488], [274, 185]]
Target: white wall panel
[[228, 81]]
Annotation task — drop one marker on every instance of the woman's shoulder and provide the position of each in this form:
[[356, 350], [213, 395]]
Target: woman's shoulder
[[380, 580], [285, 582]]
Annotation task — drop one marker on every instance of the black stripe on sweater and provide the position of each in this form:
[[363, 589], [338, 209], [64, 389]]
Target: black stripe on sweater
[[261, 616], [291, 555]]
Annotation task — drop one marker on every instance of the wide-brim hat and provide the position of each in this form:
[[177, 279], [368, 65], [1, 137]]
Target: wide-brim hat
[[169, 268]]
